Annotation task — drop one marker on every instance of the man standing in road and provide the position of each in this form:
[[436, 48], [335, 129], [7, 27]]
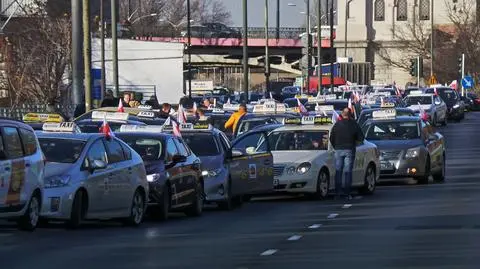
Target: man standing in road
[[345, 135]]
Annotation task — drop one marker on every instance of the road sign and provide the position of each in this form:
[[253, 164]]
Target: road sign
[[432, 80], [467, 82]]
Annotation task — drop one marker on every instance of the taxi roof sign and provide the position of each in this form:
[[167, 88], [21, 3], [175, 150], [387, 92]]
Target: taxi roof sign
[[140, 128], [309, 120], [190, 126], [416, 93], [270, 107], [110, 115], [218, 111], [146, 107], [325, 108], [146, 114], [42, 117], [384, 114], [387, 105], [231, 107], [63, 127]]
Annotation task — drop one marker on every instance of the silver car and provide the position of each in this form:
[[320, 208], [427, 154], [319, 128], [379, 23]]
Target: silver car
[[91, 176]]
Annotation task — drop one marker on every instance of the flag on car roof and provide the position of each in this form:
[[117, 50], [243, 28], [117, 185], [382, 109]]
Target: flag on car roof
[[454, 85], [181, 116], [176, 129], [302, 108], [335, 117], [120, 106], [105, 129]]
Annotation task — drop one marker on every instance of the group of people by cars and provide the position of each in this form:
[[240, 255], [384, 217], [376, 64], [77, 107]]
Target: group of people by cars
[[127, 160]]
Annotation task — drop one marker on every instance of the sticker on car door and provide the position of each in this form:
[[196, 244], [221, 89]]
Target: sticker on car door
[[17, 180], [252, 171]]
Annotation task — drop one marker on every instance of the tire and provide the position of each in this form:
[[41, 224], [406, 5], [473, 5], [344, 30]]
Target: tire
[[161, 213], [196, 208], [228, 204], [137, 209], [423, 180], [323, 186], [440, 177], [30, 220], [370, 181], [434, 120], [77, 213]]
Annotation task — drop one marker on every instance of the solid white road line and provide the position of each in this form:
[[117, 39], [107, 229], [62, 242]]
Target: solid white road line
[[294, 237], [332, 216], [269, 252], [315, 226], [347, 206]]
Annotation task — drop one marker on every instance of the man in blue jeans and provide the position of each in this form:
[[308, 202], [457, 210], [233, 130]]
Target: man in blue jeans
[[345, 135]]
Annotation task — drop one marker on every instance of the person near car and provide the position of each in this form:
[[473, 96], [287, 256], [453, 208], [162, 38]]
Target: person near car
[[201, 117], [109, 100], [235, 118], [126, 99], [344, 137], [133, 102]]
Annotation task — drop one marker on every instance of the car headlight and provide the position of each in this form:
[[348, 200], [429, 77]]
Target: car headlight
[[153, 177], [291, 170], [211, 173], [456, 106], [56, 181], [303, 168], [412, 153]]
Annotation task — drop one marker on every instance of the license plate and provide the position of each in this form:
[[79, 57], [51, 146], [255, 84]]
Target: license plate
[[276, 182]]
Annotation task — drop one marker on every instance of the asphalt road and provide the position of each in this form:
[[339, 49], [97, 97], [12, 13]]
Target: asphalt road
[[402, 226]]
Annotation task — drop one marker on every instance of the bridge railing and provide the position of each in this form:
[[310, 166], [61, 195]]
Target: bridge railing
[[284, 32]]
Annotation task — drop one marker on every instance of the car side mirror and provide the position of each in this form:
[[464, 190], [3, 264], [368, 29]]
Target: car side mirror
[[438, 103], [179, 159], [97, 165], [236, 153]]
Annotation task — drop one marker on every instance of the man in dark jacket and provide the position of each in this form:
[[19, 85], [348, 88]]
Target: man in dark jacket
[[345, 135]]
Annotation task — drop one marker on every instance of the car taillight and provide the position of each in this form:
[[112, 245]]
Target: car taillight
[[477, 101]]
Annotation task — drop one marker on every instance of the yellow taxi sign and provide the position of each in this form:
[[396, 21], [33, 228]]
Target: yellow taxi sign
[[63, 127], [292, 121], [99, 115], [316, 120], [384, 114], [42, 117], [387, 105]]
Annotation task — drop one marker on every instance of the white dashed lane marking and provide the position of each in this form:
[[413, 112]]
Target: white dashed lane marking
[[347, 206], [332, 216], [294, 237], [315, 226], [268, 252]]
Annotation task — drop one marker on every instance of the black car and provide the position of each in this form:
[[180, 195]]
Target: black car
[[475, 104], [220, 30], [367, 114], [173, 173], [455, 105]]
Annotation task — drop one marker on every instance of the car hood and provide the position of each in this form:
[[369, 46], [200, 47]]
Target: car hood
[[396, 144], [419, 107], [298, 156], [211, 162], [56, 169]]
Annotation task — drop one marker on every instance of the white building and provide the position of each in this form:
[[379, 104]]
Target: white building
[[372, 24]]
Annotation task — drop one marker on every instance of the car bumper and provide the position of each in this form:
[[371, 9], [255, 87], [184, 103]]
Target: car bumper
[[155, 194], [402, 168], [216, 188], [454, 113], [57, 202], [296, 183]]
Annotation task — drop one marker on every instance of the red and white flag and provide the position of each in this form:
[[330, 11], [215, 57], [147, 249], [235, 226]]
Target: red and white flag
[[335, 117], [195, 107], [181, 116], [382, 102], [105, 129], [435, 92], [454, 85], [423, 114], [120, 106], [302, 108], [176, 129]]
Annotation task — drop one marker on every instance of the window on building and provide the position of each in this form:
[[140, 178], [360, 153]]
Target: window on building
[[402, 10], [379, 10], [424, 10]]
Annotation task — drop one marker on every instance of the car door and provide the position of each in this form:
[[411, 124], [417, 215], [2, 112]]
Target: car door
[[121, 191], [175, 173], [440, 107], [5, 173], [232, 166], [34, 163], [18, 192], [189, 171], [97, 182], [257, 172], [358, 172], [434, 146]]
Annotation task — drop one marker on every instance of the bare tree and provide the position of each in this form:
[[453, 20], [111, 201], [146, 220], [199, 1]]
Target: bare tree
[[38, 57], [413, 39]]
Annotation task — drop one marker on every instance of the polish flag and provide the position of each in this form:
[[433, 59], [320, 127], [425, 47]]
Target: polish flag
[[382, 103], [195, 107], [271, 96], [336, 117], [181, 116], [176, 129], [435, 92], [120, 106], [228, 101], [105, 129], [350, 106], [356, 97], [423, 114], [454, 85], [302, 108], [398, 92]]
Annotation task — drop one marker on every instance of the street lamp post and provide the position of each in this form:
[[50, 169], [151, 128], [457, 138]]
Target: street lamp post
[[332, 49], [267, 54], [245, 49], [102, 46], [431, 39], [114, 46], [189, 43], [347, 16], [319, 46], [309, 46]]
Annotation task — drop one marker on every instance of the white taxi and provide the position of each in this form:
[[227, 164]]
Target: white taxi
[[433, 106], [304, 159]]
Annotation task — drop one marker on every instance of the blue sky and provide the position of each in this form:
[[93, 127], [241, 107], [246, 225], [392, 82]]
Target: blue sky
[[289, 15]]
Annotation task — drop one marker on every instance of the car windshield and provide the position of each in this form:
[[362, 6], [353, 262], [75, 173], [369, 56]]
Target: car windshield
[[61, 150], [150, 149], [415, 100], [392, 130], [94, 127], [202, 144], [368, 115], [298, 140]]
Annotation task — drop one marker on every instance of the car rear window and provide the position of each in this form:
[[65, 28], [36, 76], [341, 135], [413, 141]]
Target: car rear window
[[202, 144]]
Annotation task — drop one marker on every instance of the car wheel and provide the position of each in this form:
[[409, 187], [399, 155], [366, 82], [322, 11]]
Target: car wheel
[[228, 204], [78, 211], [137, 209], [164, 206], [424, 179], [434, 120], [440, 177], [370, 181], [323, 184], [196, 208], [29, 220]]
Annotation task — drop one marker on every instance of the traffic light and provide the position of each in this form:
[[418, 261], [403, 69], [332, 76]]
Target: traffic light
[[413, 67]]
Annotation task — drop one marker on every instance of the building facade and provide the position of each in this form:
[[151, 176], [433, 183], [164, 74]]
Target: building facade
[[374, 25]]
